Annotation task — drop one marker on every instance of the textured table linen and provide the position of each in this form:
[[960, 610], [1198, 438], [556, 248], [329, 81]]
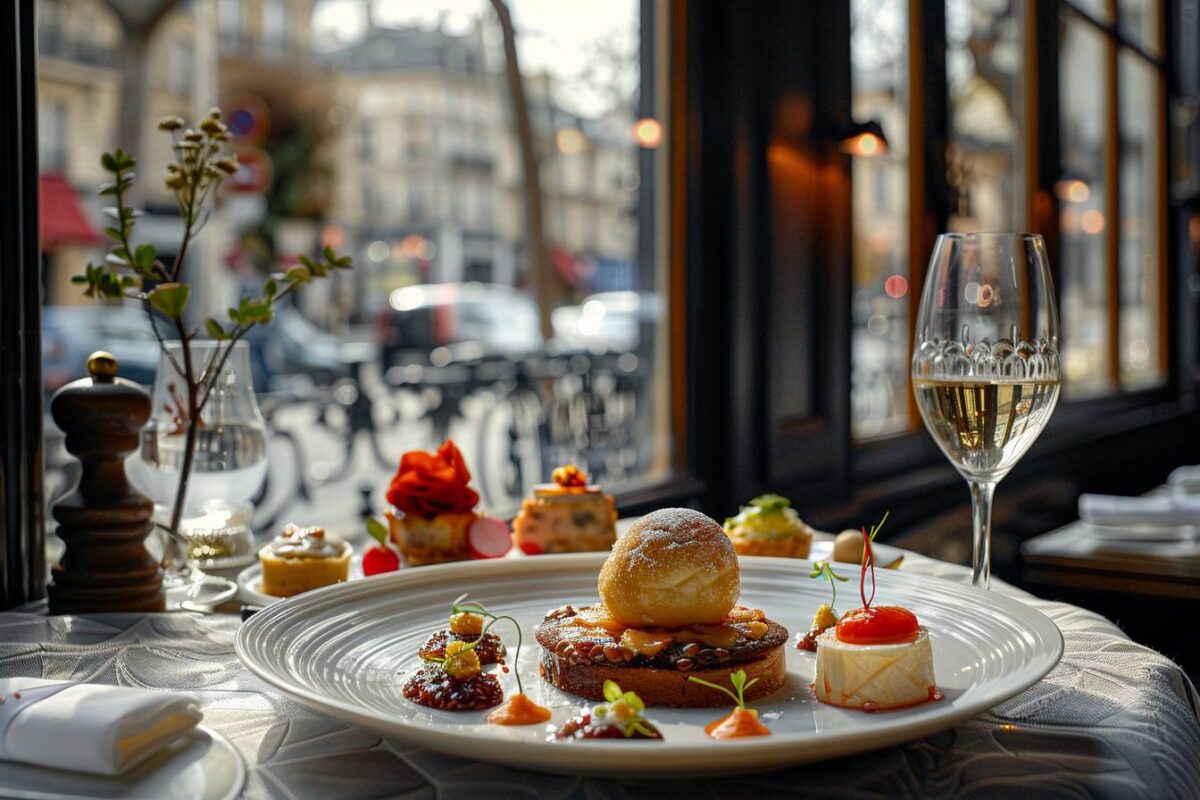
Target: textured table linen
[[1113, 719]]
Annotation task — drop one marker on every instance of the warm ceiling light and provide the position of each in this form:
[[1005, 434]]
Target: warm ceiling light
[[1091, 221], [570, 141], [865, 139], [1072, 190], [648, 132]]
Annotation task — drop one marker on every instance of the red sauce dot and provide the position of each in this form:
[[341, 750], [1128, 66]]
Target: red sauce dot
[[870, 706], [878, 625], [16, 695], [935, 693]]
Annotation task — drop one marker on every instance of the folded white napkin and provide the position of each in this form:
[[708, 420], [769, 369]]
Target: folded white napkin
[[1166, 509], [89, 727], [1185, 477]]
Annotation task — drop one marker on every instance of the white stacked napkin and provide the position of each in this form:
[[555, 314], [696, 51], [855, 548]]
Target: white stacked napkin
[[1185, 477], [1166, 509], [89, 727]]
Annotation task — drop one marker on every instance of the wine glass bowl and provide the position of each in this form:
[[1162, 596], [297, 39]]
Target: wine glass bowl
[[985, 366]]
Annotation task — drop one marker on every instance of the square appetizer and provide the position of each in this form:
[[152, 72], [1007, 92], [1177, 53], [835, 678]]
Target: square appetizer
[[566, 516]]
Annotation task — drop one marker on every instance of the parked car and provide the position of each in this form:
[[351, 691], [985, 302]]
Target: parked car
[[71, 333], [478, 318], [606, 322]]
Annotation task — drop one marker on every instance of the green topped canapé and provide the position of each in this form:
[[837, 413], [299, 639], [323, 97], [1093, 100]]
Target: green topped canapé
[[770, 509]]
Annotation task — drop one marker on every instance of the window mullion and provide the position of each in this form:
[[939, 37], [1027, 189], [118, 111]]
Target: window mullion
[[1161, 187], [1112, 211]]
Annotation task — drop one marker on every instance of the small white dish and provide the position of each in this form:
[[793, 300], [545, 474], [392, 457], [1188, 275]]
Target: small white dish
[[201, 766], [345, 650], [885, 555], [249, 583]]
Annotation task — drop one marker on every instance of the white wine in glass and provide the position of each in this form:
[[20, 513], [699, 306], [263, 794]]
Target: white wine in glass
[[985, 361]]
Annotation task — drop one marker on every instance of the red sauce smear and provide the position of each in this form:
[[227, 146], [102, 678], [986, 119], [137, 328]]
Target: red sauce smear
[[878, 625]]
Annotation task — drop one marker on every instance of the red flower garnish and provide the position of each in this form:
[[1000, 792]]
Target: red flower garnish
[[427, 484], [569, 477]]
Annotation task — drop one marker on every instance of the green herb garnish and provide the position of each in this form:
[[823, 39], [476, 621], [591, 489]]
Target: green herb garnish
[[475, 607], [377, 531], [760, 506], [737, 679], [614, 695], [822, 570]]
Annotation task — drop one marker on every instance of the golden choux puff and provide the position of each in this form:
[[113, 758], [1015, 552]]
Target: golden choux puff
[[672, 568]]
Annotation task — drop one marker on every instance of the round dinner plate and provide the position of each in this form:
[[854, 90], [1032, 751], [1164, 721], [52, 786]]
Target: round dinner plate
[[346, 649], [201, 766]]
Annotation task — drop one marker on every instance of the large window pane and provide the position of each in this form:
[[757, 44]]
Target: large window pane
[[385, 129], [1139, 20], [1140, 221], [879, 348], [984, 58], [1082, 190]]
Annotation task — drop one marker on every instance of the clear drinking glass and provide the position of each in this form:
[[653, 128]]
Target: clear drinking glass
[[985, 365], [229, 467]]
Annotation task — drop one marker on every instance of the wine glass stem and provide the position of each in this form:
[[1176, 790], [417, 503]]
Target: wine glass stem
[[981, 519]]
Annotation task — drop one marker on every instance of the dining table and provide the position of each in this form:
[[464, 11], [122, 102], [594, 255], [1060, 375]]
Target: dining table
[[1112, 719]]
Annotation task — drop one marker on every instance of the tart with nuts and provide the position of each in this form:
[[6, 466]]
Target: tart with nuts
[[668, 611]]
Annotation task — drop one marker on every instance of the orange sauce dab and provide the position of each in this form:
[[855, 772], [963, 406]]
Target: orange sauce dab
[[736, 724], [518, 709], [878, 625]]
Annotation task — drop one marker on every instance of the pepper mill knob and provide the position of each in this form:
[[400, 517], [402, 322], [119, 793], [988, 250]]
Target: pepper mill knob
[[104, 522], [102, 366]]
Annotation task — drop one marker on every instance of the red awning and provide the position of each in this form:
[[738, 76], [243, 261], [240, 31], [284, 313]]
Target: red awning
[[62, 219]]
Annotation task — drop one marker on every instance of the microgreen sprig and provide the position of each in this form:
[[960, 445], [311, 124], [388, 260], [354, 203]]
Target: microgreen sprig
[[736, 679], [868, 560], [475, 607], [614, 694], [822, 570]]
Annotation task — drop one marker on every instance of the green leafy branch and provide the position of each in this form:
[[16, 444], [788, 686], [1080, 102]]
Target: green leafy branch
[[736, 679], [199, 166]]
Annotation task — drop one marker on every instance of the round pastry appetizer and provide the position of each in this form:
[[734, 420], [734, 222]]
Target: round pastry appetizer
[[669, 590], [299, 559], [769, 526], [436, 506], [672, 568], [566, 516], [876, 657]]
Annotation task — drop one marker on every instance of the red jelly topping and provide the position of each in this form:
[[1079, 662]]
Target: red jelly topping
[[878, 625]]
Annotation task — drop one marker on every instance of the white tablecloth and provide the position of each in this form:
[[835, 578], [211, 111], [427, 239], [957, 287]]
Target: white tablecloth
[[1113, 719]]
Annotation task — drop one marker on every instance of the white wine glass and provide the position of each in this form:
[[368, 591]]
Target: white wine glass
[[985, 365]]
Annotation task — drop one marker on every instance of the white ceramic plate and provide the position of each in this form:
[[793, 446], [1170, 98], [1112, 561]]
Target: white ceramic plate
[[346, 649], [203, 766]]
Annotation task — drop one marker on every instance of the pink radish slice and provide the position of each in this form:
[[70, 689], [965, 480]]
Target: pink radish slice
[[488, 537]]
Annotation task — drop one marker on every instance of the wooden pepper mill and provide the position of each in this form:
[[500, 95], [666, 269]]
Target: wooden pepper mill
[[105, 521]]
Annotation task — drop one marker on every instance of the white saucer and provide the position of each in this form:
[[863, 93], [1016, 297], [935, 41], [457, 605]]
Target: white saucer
[[249, 582], [202, 766]]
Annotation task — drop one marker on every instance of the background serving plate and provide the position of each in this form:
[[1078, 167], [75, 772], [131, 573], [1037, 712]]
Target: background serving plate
[[346, 649]]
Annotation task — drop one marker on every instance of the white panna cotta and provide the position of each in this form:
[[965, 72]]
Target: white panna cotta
[[874, 676]]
